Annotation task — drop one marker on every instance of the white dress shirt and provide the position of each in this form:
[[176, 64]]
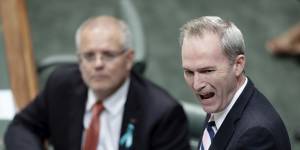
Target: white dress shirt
[[220, 116], [111, 117]]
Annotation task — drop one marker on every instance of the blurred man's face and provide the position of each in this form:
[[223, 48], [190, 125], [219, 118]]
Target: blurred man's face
[[104, 64], [208, 72]]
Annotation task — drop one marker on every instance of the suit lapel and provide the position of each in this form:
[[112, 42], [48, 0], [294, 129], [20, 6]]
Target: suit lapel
[[227, 128], [131, 118], [77, 107]]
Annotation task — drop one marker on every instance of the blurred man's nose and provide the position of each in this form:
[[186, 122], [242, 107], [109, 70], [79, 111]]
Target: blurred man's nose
[[99, 63]]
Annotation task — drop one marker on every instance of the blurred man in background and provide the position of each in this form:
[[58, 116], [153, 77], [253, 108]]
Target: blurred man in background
[[100, 104], [239, 117]]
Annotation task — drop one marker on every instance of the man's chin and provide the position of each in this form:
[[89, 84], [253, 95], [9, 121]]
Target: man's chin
[[209, 108], [100, 88]]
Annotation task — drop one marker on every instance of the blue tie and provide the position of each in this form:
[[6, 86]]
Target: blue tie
[[208, 135]]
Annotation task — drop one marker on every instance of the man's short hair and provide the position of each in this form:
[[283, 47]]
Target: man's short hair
[[127, 37], [232, 41]]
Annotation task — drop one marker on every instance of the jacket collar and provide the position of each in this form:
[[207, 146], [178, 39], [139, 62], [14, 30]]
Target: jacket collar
[[76, 113], [131, 114], [227, 128]]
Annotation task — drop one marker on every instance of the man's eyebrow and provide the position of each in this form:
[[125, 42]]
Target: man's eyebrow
[[186, 68], [206, 68]]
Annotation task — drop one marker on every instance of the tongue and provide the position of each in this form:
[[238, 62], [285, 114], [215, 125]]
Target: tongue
[[208, 95]]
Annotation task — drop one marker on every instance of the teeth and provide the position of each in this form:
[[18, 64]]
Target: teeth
[[207, 95]]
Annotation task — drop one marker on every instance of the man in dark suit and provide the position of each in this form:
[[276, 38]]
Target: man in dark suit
[[100, 104], [239, 117]]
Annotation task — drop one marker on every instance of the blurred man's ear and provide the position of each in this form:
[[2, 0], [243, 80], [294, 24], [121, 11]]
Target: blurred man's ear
[[130, 58], [239, 64]]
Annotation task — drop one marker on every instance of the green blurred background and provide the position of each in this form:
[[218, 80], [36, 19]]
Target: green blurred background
[[54, 22]]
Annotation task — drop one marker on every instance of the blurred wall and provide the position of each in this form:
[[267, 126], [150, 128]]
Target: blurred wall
[[54, 23], [4, 83]]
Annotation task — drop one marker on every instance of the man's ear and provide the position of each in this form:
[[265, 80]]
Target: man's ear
[[239, 64], [130, 58]]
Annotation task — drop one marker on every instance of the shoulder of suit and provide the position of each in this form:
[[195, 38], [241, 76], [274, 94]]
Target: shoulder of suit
[[64, 74], [155, 94]]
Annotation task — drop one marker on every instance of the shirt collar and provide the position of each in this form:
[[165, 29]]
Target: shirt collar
[[220, 116], [112, 104]]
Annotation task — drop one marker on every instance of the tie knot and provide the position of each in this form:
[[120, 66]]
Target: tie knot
[[98, 108], [211, 124]]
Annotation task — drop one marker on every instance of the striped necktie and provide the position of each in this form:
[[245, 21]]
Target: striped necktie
[[208, 135]]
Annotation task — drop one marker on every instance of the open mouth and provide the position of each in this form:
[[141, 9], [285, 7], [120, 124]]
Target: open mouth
[[207, 95]]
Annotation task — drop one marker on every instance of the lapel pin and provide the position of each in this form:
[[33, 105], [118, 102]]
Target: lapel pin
[[127, 138]]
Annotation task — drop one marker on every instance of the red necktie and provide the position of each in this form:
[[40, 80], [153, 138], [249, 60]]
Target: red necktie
[[92, 132]]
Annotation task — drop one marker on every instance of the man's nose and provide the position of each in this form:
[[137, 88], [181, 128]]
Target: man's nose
[[99, 61], [198, 82]]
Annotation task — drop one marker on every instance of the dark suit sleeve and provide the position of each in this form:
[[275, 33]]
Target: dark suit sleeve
[[257, 138], [172, 131], [29, 128]]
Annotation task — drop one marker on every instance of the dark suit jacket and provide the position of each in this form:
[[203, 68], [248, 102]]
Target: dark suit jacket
[[251, 124], [57, 114]]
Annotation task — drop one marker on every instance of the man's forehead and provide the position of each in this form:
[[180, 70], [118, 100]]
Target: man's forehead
[[198, 65]]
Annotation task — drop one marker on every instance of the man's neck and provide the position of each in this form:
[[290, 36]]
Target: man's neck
[[241, 80], [104, 94]]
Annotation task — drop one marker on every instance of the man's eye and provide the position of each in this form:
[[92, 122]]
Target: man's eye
[[188, 72], [89, 55], [108, 55], [207, 71]]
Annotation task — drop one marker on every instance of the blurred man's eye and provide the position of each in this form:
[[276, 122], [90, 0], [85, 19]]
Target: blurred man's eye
[[108, 55], [89, 55], [188, 72]]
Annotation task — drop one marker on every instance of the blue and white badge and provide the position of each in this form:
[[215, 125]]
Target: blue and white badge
[[127, 139]]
